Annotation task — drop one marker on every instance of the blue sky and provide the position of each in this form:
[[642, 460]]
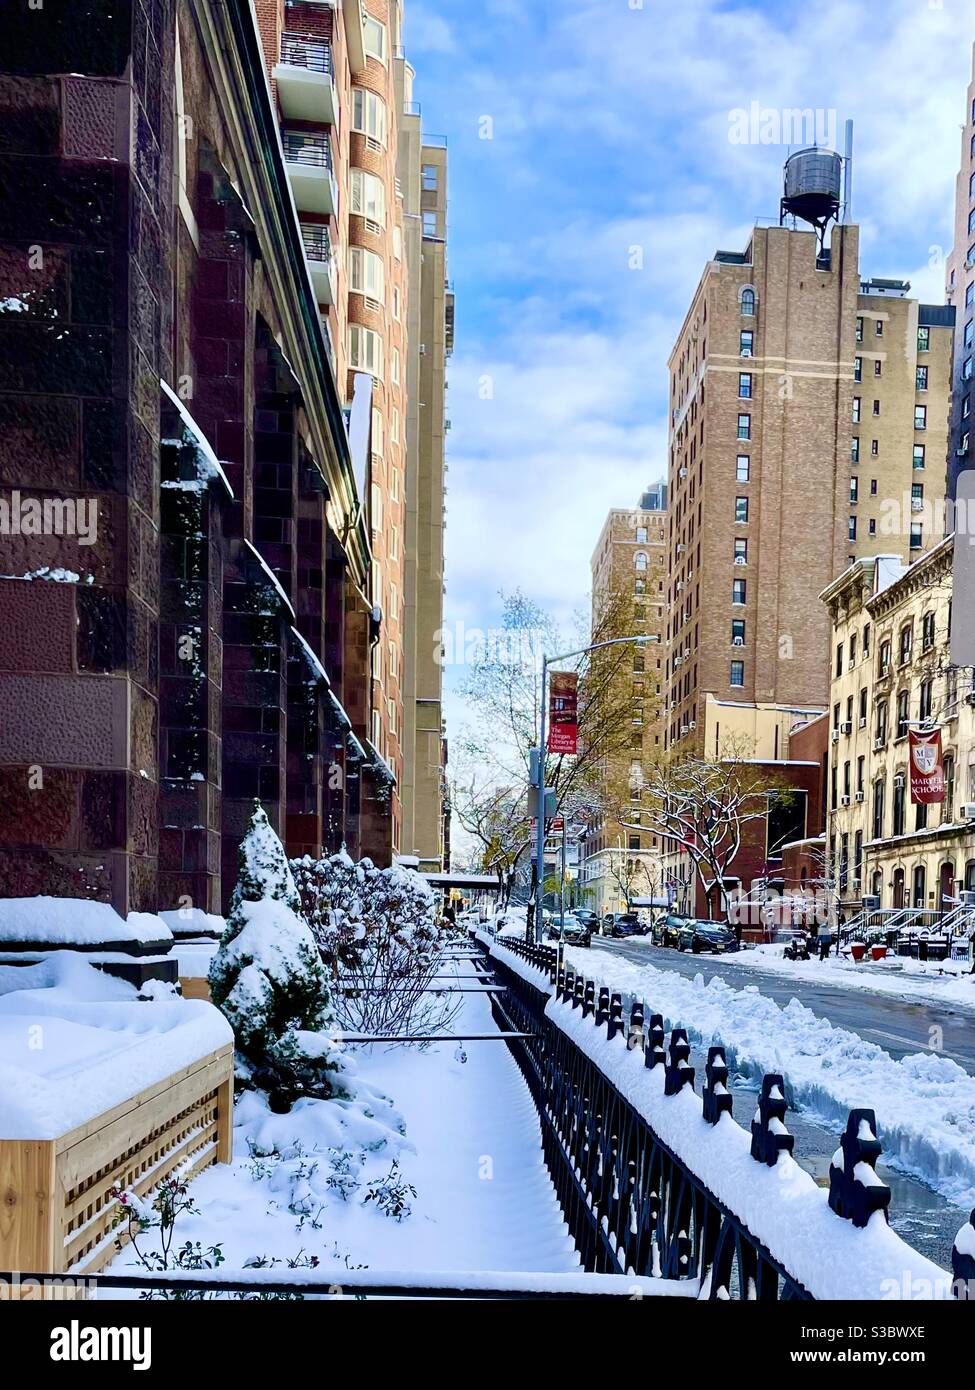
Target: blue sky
[[609, 130]]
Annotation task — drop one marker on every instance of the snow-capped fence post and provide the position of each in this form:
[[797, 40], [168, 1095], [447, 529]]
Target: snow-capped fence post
[[615, 1024], [769, 1134], [635, 1036], [963, 1262], [678, 1072], [579, 991], [560, 980], [855, 1191], [602, 1008], [717, 1097], [654, 1055], [568, 984], [589, 1001]]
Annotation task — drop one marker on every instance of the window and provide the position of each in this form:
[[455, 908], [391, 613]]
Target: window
[[878, 367], [859, 334], [641, 535], [926, 699], [853, 648], [866, 639], [742, 466], [396, 303], [376, 444], [884, 657], [838, 669], [878, 809], [855, 450], [856, 410], [366, 273], [738, 632], [899, 806], [906, 641], [918, 455], [851, 529], [920, 417], [858, 369], [748, 303], [854, 489], [923, 339], [367, 195], [873, 487], [374, 34], [744, 427], [746, 342], [738, 591], [876, 407], [395, 366], [428, 176], [917, 495], [880, 731], [365, 350], [741, 550], [947, 804], [916, 538], [369, 114], [640, 561], [903, 713], [394, 425], [430, 223], [737, 674], [970, 291], [741, 509], [745, 385], [921, 379], [863, 703], [879, 327]]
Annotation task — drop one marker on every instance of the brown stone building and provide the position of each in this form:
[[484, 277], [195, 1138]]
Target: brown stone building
[[808, 428], [176, 353]]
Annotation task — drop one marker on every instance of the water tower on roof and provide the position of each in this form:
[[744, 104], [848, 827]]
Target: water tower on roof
[[817, 185]]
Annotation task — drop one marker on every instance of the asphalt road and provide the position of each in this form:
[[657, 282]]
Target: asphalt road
[[899, 1028]]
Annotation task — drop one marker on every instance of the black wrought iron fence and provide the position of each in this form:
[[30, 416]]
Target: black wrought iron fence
[[300, 52], [302, 147], [630, 1201]]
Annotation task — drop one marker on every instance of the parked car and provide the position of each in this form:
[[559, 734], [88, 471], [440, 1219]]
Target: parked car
[[621, 924], [666, 929], [572, 931], [587, 916], [701, 935]]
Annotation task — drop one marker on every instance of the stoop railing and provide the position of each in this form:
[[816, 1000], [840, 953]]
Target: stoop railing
[[635, 1203]]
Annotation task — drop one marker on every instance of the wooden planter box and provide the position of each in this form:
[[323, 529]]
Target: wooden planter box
[[55, 1212]]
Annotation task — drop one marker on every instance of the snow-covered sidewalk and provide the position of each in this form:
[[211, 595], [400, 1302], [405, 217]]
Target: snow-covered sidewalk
[[463, 1134], [900, 977], [924, 1103]]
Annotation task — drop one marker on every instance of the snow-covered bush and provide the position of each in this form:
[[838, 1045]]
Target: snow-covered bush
[[378, 933], [331, 896], [267, 978]]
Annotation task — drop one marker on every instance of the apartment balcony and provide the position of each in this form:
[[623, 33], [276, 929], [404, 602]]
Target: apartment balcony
[[308, 159], [321, 262], [305, 79]]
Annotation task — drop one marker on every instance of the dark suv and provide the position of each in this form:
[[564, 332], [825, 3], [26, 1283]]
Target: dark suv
[[622, 924], [701, 935], [666, 929]]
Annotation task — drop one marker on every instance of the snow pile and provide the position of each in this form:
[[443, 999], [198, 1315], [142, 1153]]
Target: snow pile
[[75, 1042], [77, 922], [924, 1103], [193, 921], [944, 982]]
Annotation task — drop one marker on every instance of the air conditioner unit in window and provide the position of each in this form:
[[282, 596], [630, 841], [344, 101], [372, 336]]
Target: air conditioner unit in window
[[879, 743], [967, 810], [737, 641], [682, 472], [917, 504], [899, 780], [746, 352], [692, 724], [846, 727], [740, 560], [862, 722], [835, 735], [859, 796], [844, 801]]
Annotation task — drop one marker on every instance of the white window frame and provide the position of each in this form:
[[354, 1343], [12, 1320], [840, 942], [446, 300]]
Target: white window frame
[[369, 114], [367, 195], [374, 38], [365, 350], [367, 274]]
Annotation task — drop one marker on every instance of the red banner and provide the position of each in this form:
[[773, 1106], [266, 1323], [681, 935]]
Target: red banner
[[927, 767], [563, 699]]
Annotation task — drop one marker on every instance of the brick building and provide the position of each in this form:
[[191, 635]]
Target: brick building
[[808, 427], [164, 355], [960, 294]]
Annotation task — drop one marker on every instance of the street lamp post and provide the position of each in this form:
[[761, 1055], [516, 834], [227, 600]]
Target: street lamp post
[[641, 640]]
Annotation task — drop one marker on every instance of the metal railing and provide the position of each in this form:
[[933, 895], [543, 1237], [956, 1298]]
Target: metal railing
[[632, 1202], [303, 147], [300, 52], [316, 241]]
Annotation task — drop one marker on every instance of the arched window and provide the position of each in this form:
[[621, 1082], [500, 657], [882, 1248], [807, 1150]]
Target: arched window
[[748, 301], [641, 561], [919, 886]]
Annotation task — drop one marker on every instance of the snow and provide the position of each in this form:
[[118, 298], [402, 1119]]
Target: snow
[[193, 958], [55, 573], [75, 1042], [782, 1206], [317, 669], [270, 576], [941, 982], [76, 921], [924, 1103], [193, 921], [208, 464], [462, 1129]]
